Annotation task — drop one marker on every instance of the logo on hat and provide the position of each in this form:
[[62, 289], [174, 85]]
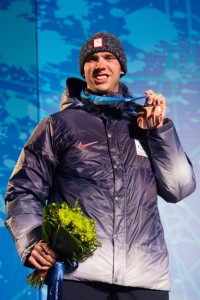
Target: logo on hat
[[98, 43]]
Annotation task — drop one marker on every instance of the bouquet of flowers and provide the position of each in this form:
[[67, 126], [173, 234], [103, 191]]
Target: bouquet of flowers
[[67, 232]]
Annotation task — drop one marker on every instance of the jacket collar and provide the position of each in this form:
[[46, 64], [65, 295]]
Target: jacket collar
[[71, 97]]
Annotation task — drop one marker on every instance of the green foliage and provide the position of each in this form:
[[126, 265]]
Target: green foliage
[[68, 233]]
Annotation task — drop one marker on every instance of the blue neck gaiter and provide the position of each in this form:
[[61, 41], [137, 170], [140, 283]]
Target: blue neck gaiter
[[107, 100]]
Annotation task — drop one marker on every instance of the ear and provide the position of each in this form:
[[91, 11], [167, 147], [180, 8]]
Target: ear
[[121, 73]]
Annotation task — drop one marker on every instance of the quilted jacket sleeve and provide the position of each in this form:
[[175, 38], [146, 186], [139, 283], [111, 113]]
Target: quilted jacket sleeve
[[29, 187], [172, 168]]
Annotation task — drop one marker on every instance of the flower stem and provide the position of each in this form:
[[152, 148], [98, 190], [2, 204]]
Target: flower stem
[[37, 278]]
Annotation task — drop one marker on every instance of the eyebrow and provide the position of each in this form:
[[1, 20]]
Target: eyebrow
[[94, 55]]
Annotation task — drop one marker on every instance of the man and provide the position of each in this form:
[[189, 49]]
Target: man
[[115, 157]]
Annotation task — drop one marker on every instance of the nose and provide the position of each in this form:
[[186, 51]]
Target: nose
[[100, 63]]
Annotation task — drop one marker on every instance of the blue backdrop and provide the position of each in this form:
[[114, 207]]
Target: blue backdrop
[[39, 48]]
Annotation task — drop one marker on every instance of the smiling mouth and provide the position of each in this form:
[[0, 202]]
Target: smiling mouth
[[101, 78]]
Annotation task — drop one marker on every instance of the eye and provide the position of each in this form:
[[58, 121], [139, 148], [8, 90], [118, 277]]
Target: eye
[[110, 57], [91, 58]]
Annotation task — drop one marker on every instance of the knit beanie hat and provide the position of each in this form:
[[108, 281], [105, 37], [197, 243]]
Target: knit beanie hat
[[102, 42]]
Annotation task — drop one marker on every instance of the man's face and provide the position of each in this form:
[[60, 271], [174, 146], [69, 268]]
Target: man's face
[[102, 72]]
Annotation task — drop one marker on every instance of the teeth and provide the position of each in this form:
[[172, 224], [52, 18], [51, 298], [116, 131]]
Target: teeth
[[101, 77]]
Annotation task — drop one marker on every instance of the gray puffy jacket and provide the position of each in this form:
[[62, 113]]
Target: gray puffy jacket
[[100, 156]]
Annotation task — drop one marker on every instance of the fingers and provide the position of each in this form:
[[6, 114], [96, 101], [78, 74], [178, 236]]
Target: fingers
[[42, 257], [48, 250], [156, 99], [153, 113], [149, 117], [153, 98]]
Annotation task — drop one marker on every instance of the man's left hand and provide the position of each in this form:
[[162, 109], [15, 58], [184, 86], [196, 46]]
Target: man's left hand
[[152, 114]]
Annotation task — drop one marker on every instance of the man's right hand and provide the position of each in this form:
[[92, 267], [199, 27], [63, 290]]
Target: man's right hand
[[42, 257]]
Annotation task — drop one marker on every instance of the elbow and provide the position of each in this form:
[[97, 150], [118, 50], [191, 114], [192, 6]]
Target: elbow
[[178, 193]]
